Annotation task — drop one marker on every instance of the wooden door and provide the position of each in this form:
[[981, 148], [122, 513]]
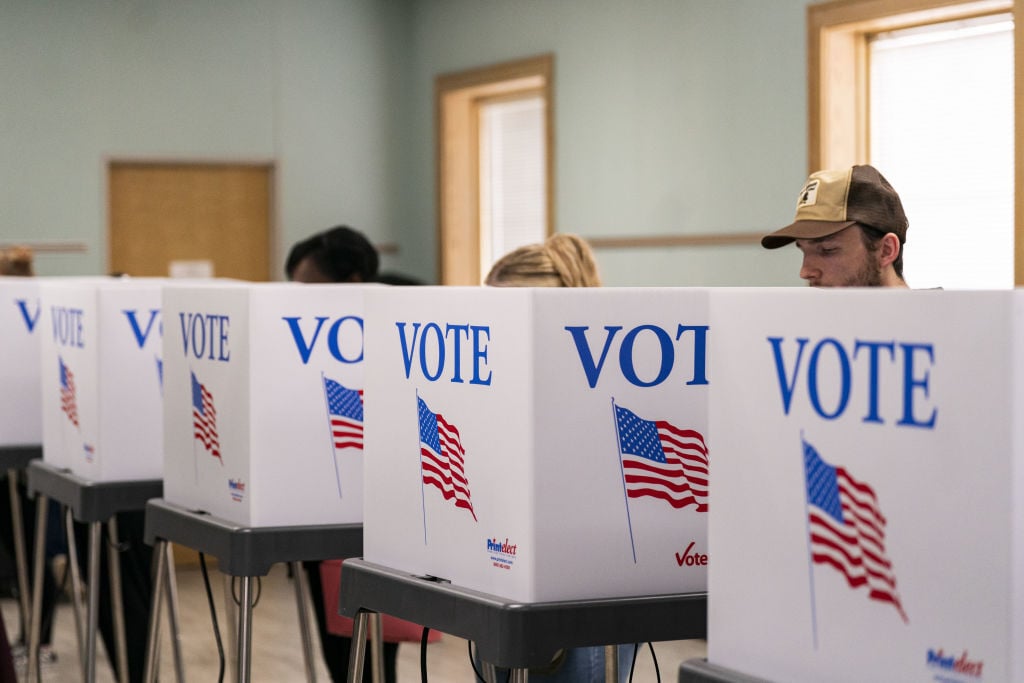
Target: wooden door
[[166, 212]]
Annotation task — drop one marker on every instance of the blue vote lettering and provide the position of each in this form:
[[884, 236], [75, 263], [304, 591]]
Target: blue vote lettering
[[627, 352], [30, 319], [142, 335], [67, 326], [205, 333], [839, 374], [305, 348], [433, 348]]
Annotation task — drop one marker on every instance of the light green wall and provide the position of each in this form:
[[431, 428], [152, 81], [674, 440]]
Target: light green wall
[[672, 116], [308, 84]]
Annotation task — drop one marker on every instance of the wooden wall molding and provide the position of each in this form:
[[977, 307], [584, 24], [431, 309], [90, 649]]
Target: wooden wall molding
[[711, 239], [54, 247]]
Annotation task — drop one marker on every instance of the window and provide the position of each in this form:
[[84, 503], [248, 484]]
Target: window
[[494, 164], [512, 177], [926, 93], [941, 125]]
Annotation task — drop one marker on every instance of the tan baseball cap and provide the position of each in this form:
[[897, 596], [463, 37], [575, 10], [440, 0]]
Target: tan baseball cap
[[831, 201]]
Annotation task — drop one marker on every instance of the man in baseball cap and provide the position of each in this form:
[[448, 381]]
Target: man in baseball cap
[[851, 229]]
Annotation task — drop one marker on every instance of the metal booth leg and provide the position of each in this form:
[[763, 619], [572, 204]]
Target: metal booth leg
[[117, 600], [76, 587], [245, 631], [153, 637], [301, 601], [93, 611], [376, 648], [171, 583], [611, 664], [20, 559], [519, 676], [37, 592], [358, 649], [230, 625]]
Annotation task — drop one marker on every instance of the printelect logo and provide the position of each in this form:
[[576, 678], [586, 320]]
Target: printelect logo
[[503, 554], [237, 489], [938, 659]]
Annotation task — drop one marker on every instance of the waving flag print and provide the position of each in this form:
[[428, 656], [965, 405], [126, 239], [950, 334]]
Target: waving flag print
[[204, 419], [68, 403], [847, 529], [345, 411], [442, 457], [660, 460]]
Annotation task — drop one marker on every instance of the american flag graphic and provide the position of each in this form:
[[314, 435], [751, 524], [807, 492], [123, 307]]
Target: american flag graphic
[[204, 418], [847, 529], [442, 457], [661, 460], [67, 392], [345, 409]]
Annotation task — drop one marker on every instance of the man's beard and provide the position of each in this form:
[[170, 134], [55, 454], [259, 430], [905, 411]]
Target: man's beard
[[870, 274]]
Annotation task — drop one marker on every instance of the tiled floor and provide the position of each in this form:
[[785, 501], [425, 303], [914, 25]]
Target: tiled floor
[[277, 651]]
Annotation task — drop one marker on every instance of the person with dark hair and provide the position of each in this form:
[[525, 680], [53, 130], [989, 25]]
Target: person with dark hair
[[851, 228], [340, 254], [397, 279]]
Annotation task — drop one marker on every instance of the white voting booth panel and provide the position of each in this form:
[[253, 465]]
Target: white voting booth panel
[[866, 501], [263, 402], [100, 376], [20, 396], [505, 427]]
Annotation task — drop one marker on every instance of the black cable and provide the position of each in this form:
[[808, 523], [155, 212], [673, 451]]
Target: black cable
[[632, 664], [423, 654], [654, 657], [238, 598], [213, 616], [472, 663], [120, 546]]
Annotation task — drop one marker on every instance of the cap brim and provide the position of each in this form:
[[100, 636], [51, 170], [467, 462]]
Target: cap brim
[[803, 230]]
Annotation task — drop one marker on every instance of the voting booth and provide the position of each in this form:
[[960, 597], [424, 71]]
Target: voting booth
[[866, 502], [20, 396], [539, 444], [263, 402], [100, 367]]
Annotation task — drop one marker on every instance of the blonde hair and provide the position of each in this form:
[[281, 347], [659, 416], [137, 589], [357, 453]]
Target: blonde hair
[[562, 260], [16, 261]]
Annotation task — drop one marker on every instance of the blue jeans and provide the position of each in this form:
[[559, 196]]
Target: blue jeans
[[583, 665]]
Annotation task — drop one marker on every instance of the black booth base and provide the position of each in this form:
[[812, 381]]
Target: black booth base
[[18, 457], [249, 551], [90, 501], [701, 671], [515, 634]]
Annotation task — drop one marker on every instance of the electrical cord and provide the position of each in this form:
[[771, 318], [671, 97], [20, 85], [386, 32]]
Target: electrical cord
[[654, 658], [238, 598], [213, 617], [120, 546], [423, 654], [472, 663], [632, 664]]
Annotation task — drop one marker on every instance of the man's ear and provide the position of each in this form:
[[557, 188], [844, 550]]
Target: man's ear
[[889, 250]]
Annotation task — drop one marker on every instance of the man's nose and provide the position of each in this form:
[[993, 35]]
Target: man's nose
[[808, 270]]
